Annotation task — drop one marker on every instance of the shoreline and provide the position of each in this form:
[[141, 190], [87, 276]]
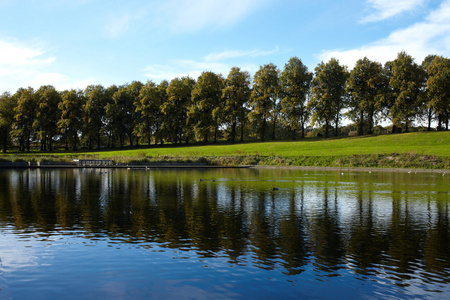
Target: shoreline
[[356, 169], [59, 165]]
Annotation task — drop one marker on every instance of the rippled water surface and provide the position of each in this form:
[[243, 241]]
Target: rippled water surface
[[223, 234]]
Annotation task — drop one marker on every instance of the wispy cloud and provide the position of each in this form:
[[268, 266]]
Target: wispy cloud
[[23, 65], [120, 23], [431, 36], [385, 9], [236, 54], [187, 16], [220, 63]]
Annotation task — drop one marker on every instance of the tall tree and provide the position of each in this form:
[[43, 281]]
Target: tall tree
[[206, 96], [7, 104], [151, 98], [426, 106], [438, 84], [295, 86], [133, 90], [328, 97], [175, 108], [264, 98], [364, 86], [94, 114], [47, 115], [24, 116], [121, 112], [406, 82], [70, 123], [236, 95], [110, 115]]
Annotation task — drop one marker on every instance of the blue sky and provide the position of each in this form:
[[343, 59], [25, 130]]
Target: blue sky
[[74, 43]]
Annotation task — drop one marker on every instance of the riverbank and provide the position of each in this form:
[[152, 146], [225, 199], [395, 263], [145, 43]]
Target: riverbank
[[418, 150]]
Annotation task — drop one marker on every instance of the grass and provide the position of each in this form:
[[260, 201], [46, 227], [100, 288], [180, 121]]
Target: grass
[[418, 149]]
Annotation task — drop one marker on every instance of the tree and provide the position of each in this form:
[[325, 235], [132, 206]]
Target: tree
[[47, 115], [151, 98], [110, 115], [295, 86], [121, 112], [133, 91], [426, 107], [406, 82], [236, 94], [328, 94], [7, 104], [70, 123], [206, 96], [175, 108], [364, 86], [94, 114], [24, 116], [264, 97], [438, 85]]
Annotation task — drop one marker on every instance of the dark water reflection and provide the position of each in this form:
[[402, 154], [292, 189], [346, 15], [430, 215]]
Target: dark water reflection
[[318, 234]]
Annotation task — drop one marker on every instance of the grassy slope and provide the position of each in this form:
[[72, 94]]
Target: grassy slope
[[429, 150], [429, 143]]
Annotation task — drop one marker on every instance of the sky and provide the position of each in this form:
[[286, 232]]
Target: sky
[[71, 44]]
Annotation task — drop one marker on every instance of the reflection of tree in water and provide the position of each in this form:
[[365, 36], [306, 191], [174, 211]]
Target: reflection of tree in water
[[234, 231], [276, 228], [405, 241], [437, 248], [262, 232], [326, 236], [293, 241], [366, 243]]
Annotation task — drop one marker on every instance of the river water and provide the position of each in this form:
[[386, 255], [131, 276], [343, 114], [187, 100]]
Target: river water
[[223, 234]]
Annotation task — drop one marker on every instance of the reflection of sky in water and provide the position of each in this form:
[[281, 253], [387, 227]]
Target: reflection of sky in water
[[90, 262]]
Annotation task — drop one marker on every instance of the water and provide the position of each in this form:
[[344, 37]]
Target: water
[[223, 234]]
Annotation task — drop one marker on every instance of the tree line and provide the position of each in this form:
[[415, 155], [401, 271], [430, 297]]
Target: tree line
[[238, 106]]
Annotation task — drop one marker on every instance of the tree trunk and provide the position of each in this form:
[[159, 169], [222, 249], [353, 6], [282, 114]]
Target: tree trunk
[[233, 132], [303, 130], [430, 112], [337, 127], [326, 129], [98, 141], [394, 128], [242, 131], [294, 136], [263, 130], [361, 123], [273, 129]]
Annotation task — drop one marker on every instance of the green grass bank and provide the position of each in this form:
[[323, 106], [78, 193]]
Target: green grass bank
[[426, 150]]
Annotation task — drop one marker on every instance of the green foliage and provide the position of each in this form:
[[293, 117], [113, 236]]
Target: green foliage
[[365, 86], [236, 95], [295, 86], [175, 108], [24, 116], [264, 98], [7, 104], [71, 107], [438, 85], [205, 111], [94, 113], [328, 94], [407, 82]]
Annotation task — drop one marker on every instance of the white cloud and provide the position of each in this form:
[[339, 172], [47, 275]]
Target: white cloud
[[192, 15], [236, 53], [118, 25], [432, 36], [23, 65], [215, 62], [388, 8]]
